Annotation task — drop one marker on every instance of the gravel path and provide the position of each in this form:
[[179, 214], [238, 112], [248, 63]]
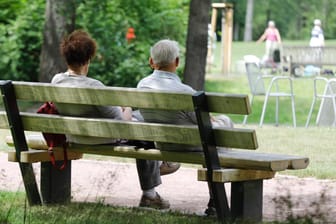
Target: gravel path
[[117, 184]]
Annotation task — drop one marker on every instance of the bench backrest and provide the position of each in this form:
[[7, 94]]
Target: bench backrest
[[135, 98], [310, 55]]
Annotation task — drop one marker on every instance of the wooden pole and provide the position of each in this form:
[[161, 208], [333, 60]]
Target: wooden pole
[[210, 44], [227, 39], [227, 24]]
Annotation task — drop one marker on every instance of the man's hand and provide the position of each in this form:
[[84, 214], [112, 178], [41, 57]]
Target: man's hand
[[127, 113]]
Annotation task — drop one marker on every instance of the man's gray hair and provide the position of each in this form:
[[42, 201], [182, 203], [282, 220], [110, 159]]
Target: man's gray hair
[[164, 52]]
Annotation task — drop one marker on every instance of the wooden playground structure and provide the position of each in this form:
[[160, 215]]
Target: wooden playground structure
[[227, 24]]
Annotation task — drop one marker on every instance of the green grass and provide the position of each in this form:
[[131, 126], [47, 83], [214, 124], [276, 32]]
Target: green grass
[[303, 90], [14, 211], [313, 142]]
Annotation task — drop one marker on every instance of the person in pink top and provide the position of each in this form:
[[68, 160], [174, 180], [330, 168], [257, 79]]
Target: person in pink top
[[273, 40]]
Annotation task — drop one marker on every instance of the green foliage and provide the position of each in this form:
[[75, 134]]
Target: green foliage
[[20, 42], [119, 63], [293, 18], [9, 9]]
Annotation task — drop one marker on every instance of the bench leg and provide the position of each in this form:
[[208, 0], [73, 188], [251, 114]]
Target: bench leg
[[220, 200], [246, 200], [55, 184]]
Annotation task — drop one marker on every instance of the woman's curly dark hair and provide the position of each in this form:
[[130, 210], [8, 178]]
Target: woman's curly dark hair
[[78, 48]]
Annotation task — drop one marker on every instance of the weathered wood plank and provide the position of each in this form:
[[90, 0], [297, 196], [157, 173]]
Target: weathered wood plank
[[136, 98], [228, 158], [233, 175], [238, 103], [34, 141], [108, 128], [33, 156], [271, 161]]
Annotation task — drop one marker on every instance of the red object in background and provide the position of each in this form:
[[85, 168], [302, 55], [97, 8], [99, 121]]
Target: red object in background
[[130, 35]]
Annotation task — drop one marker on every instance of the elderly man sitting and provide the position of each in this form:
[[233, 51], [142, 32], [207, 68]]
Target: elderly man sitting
[[164, 59]]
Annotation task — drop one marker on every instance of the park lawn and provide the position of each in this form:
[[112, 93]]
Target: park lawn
[[313, 142], [14, 211], [303, 91]]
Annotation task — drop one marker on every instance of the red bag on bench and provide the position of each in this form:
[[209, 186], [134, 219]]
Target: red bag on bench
[[54, 140]]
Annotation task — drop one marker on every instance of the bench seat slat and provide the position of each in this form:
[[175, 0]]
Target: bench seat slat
[[276, 162], [136, 98], [234, 138], [233, 175], [33, 156], [228, 158], [239, 160]]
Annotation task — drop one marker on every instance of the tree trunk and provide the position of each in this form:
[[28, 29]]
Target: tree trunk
[[248, 20], [59, 20], [197, 39]]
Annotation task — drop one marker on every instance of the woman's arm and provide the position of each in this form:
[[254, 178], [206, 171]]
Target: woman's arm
[[262, 37]]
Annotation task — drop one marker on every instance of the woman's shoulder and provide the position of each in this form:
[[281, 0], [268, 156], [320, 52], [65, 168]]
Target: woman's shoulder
[[93, 82], [76, 80], [58, 77]]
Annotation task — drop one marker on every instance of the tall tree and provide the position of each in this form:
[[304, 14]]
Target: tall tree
[[59, 20], [248, 20], [197, 39]]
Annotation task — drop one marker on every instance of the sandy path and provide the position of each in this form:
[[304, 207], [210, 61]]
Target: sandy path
[[117, 184]]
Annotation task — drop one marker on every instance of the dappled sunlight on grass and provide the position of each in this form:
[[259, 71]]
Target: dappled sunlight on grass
[[15, 211], [313, 142], [303, 91], [316, 143]]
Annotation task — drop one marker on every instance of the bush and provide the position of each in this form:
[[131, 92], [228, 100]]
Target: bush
[[9, 9], [119, 63], [20, 42]]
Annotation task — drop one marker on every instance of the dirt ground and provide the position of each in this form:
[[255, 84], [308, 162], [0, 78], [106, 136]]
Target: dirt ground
[[117, 184]]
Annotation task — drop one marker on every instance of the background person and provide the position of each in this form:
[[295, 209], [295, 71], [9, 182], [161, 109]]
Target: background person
[[273, 41], [317, 43], [317, 37]]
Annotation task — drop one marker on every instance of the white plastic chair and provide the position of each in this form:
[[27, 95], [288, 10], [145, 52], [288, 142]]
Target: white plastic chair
[[327, 112], [257, 87]]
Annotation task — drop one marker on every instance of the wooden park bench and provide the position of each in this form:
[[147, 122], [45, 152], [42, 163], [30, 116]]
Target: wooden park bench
[[244, 169], [296, 56]]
